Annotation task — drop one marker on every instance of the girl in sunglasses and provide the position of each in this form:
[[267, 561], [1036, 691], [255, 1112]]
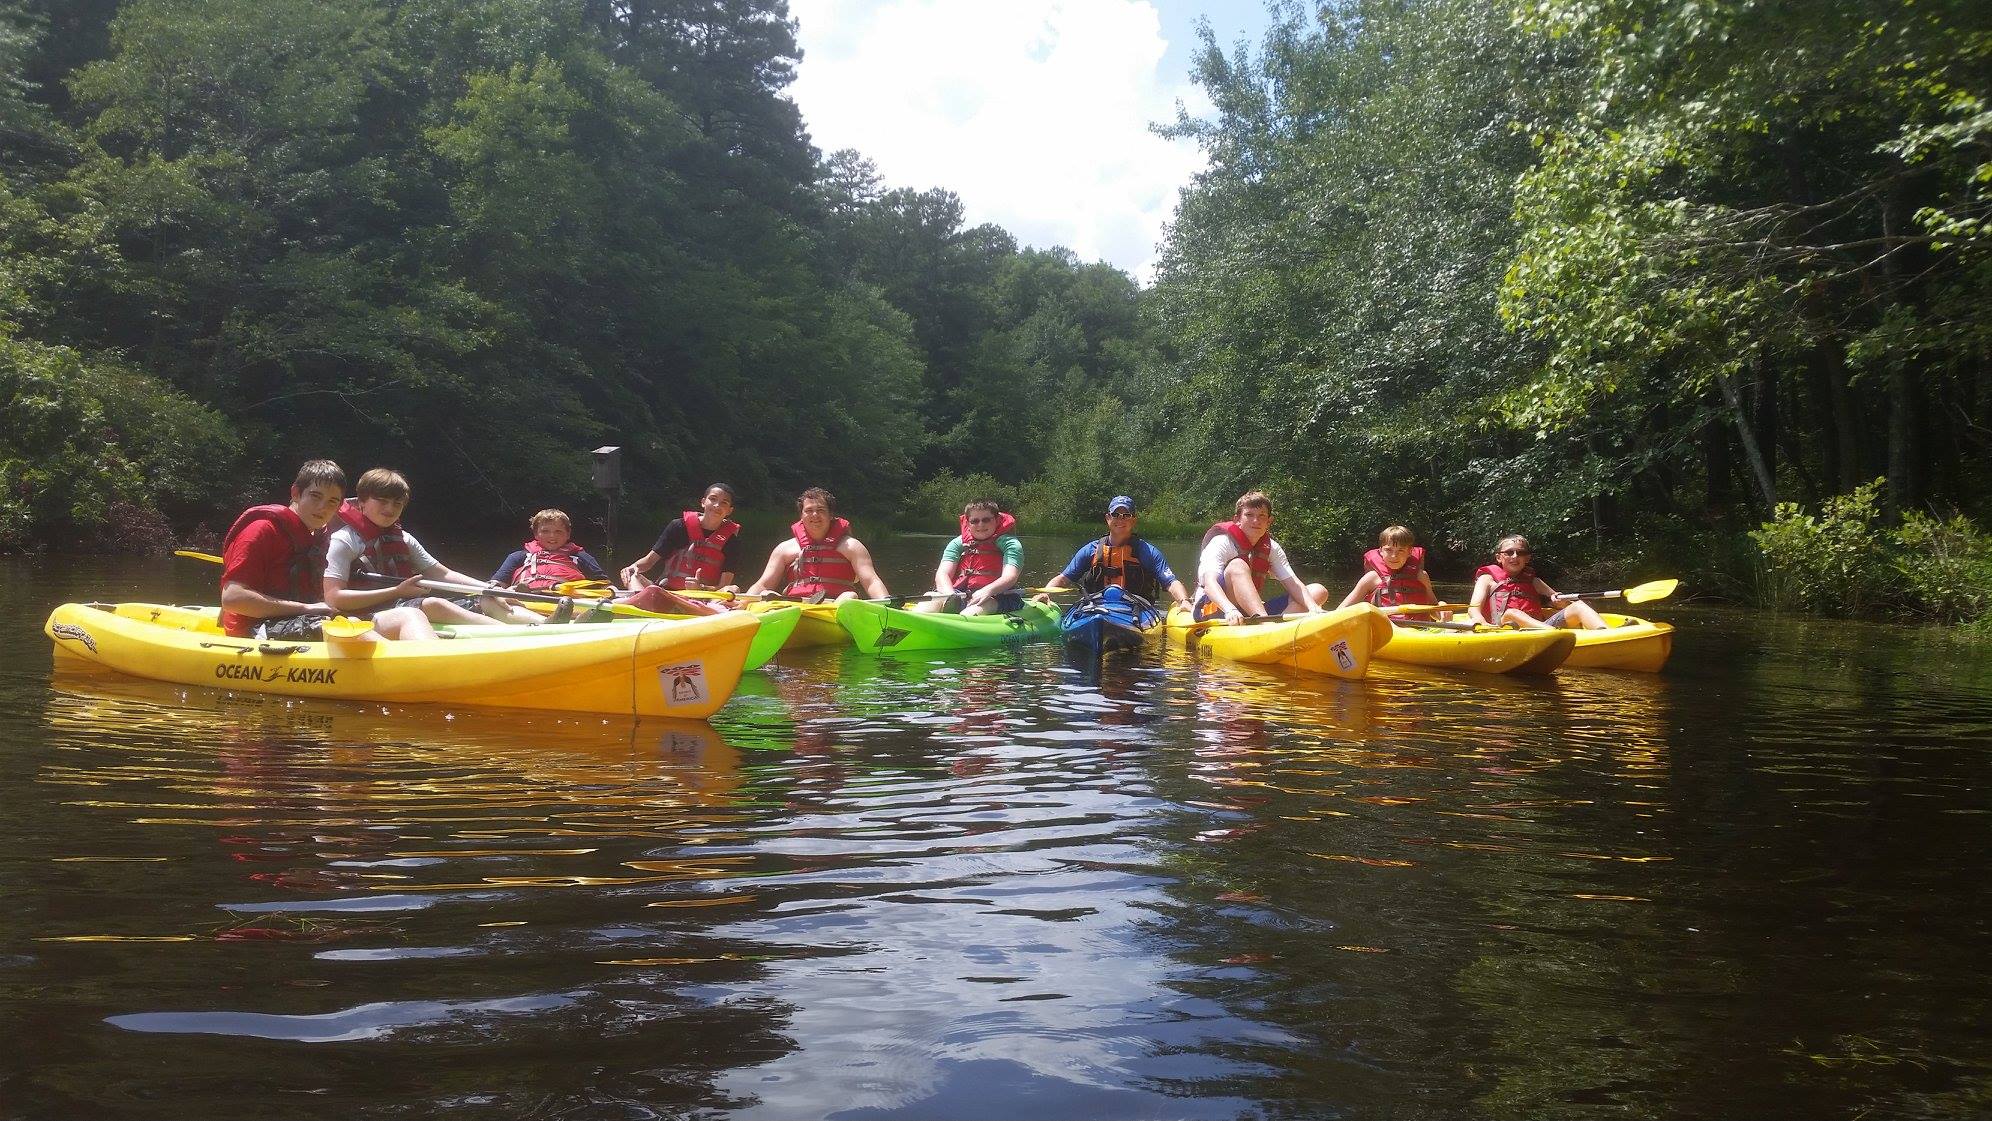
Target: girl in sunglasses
[[1509, 592]]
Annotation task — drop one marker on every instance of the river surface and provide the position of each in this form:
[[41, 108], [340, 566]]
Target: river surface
[[1008, 885]]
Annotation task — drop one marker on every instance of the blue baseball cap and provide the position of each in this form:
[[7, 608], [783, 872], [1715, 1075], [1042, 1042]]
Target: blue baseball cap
[[1120, 502]]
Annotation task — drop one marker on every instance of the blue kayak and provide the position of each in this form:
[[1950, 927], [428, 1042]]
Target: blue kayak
[[1110, 620]]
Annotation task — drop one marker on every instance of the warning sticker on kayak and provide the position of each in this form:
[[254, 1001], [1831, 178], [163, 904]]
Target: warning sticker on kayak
[[684, 684], [1343, 657]]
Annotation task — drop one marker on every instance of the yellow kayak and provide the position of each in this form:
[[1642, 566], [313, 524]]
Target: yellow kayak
[[683, 669], [1628, 643], [1338, 643], [1489, 651], [817, 627]]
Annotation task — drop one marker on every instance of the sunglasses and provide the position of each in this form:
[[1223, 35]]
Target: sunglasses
[[981, 521], [1121, 514], [1516, 553]]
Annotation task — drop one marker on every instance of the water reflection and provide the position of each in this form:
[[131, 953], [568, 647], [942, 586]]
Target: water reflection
[[1011, 883]]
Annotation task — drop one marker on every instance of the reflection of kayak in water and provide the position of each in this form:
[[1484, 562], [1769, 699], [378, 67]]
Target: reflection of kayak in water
[[684, 669], [90, 699], [1489, 651], [1338, 643]]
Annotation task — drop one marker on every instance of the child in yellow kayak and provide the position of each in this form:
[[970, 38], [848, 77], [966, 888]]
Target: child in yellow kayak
[[1510, 593], [1393, 573], [1237, 558], [371, 540]]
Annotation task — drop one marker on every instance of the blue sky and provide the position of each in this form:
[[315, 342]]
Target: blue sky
[[1035, 112]]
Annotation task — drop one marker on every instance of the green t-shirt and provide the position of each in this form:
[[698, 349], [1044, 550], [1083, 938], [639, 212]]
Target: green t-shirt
[[1013, 550]]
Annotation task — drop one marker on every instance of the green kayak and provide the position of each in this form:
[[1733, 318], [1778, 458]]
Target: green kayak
[[879, 628], [776, 626]]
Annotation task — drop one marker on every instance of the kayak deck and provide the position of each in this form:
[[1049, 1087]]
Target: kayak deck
[[879, 627], [1629, 643], [1488, 651], [1338, 643], [679, 668]]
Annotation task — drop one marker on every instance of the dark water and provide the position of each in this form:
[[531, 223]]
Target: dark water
[[999, 885]]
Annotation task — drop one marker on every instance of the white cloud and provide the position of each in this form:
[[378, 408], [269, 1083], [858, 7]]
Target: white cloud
[[1035, 112]]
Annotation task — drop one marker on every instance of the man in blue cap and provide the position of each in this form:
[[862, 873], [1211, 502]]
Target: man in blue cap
[[1121, 560]]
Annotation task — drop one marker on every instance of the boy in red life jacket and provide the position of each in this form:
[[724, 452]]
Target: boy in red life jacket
[[1237, 558], [1510, 593], [699, 550], [981, 566], [820, 560], [372, 540], [550, 559], [1393, 573], [273, 561]]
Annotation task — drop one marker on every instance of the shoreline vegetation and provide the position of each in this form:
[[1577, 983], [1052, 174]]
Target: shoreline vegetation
[[1663, 284]]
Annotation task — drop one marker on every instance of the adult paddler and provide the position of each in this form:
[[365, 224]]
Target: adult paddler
[[699, 550], [1238, 556], [1120, 560], [820, 560]]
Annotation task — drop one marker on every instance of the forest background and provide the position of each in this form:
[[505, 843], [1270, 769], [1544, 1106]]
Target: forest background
[[1649, 280]]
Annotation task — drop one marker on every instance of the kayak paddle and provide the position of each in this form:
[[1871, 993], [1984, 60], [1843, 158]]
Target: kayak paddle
[[193, 555], [1638, 593]]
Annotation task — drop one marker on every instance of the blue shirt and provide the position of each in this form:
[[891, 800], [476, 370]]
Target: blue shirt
[[1149, 556]]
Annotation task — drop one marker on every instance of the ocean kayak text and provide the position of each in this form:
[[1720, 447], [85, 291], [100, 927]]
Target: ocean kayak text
[[296, 675]]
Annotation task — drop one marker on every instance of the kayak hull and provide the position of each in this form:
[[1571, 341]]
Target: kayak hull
[[876, 627], [1106, 625], [1629, 643], [778, 623], [675, 668], [1486, 651], [1338, 643]]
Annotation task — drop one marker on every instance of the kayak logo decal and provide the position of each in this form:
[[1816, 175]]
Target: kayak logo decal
[[74, 633], [889, 636], [684, 684], [1342, 656]]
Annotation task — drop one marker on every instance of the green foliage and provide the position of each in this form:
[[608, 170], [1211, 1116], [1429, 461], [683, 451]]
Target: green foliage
[[1846, 561], [935, 505], [1946, 566], [87, 446], [1836, 562]]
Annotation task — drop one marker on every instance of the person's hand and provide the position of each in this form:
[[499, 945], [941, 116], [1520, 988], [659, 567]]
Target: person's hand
[[408, 588], [729, 590], [1233, 616], [1041, 597], [320, 608]]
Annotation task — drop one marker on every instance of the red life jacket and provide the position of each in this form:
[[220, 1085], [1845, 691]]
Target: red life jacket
[[981, 562], [703, 559], [546, 569], [1259, 557], [1398, 585], [1119, 566], [821, 568], [385, 551], [299, 576], [1517, 591]]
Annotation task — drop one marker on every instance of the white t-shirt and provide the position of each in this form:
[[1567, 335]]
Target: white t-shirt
[[1222, 550], [343, 550]]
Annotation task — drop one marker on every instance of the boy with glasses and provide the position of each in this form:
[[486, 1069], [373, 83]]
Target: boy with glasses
[[1509, 592], [979, 570]]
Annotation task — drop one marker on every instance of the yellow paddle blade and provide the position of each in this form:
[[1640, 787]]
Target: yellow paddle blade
[[586, 589], [192, 555], [345, 626], [1651, 590]]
